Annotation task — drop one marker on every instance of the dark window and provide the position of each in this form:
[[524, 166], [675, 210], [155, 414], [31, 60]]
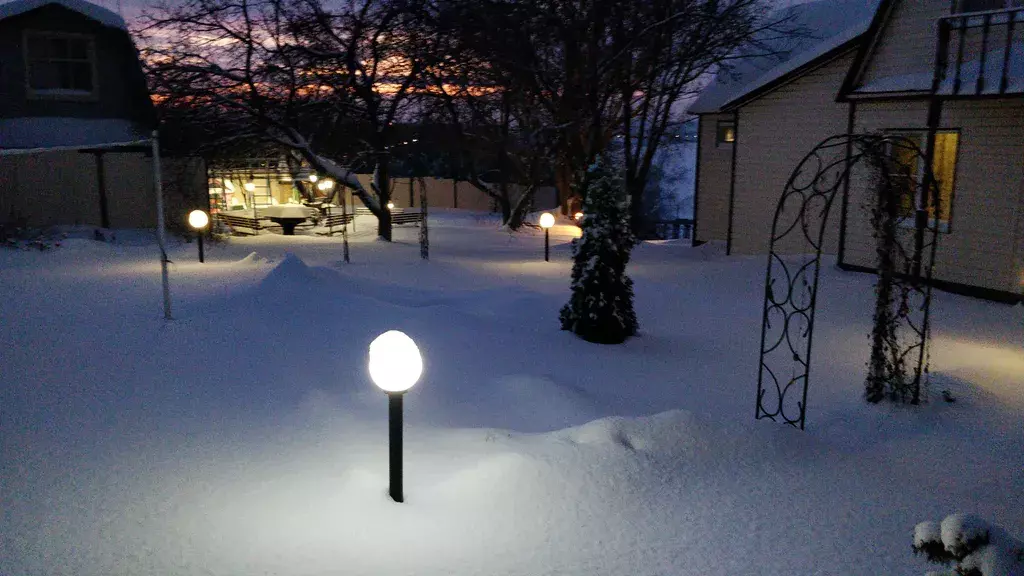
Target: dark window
[[726, 133], [60, 64], [985, 5]]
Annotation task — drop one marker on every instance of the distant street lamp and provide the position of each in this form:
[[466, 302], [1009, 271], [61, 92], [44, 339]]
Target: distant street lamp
[[547, 220], [391, 205], [395, 365], [198, 220]]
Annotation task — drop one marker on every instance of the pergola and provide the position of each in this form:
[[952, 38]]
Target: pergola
[[151, 145]]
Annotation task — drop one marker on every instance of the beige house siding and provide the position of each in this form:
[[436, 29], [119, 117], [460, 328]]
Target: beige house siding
[[53, 188], [985, 243], [776, 131], [713, 187], [907, 43]]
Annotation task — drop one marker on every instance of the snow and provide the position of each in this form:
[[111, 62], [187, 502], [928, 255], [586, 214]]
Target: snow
[[97, 13], [994, 63], [64, 132], [976, 544], [994, 59], [823, 26], [926, 532], [958, 529], [909, 82], [245, 435]]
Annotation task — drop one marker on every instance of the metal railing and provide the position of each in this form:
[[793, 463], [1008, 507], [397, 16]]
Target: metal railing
[[978, 53], [672, 229]]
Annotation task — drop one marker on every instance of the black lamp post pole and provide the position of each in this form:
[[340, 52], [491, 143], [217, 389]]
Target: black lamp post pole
[[547, 250], [199, 234], [395, 444]]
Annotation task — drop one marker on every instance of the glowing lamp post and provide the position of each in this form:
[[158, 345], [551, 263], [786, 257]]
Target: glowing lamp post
[[198, 220], [391, 205], [546, 222], [395, 365]]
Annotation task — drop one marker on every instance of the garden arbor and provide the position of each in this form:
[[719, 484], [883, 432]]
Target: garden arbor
[[903, 197]]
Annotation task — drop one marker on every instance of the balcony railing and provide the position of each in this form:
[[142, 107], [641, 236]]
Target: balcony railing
[[981, 54]]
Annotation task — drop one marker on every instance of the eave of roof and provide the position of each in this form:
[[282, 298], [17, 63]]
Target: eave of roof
[[842, 35], [87, 9], [866, 48]]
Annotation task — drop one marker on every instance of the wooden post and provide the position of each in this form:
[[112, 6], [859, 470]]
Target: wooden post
[[101, 184]]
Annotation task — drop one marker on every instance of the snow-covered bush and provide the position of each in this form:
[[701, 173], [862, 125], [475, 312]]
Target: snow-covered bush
[[971, 545], [601, 306]]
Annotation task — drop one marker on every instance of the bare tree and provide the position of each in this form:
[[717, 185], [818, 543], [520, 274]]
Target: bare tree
[[500, 141], [292, 73], [598, 68], [680, 44]]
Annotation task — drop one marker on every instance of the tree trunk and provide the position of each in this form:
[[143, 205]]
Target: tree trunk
[[518, 212], [382, 184], [506, 209], [638, 219], [564, 183]]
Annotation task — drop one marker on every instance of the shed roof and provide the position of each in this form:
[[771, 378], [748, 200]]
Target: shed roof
[[87, 9], [51, 132], [830, 25]]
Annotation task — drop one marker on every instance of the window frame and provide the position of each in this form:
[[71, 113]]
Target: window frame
[[944, 226], [955, 7], [726, 124], [60, 93]]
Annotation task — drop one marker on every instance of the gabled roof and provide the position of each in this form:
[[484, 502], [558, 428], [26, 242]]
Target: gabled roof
[[87, 9], [924, 82], [833, 26]]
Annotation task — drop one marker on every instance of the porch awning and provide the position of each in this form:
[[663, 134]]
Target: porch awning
[[56, 133]]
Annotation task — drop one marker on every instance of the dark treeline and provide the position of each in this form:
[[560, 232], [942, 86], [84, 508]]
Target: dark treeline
[[492, 92]]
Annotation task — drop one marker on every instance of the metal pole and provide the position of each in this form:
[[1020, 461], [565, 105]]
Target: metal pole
[[395, 444], [200, 235], [547, 249], [160, 232]]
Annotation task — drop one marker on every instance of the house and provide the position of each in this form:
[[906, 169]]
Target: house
[[916, 68], [74, 115]]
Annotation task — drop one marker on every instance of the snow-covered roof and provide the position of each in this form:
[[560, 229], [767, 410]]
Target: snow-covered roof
[[829, 24], [88, 9], [969, 69], [51, 132]]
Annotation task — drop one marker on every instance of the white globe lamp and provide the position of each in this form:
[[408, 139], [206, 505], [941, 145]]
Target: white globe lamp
[[199, 220], [395, 362], [395, 366], [547, 220]]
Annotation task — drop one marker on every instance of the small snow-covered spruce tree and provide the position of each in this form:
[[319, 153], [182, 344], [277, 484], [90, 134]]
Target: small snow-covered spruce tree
[[601, 306], [971, 545]]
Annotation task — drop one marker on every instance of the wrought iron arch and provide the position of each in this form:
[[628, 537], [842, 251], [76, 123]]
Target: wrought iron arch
[[792, 277]]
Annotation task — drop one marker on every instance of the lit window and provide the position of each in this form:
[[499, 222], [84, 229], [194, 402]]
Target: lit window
[[726, 133], [986, 5], [908, 162], [60, 64]]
